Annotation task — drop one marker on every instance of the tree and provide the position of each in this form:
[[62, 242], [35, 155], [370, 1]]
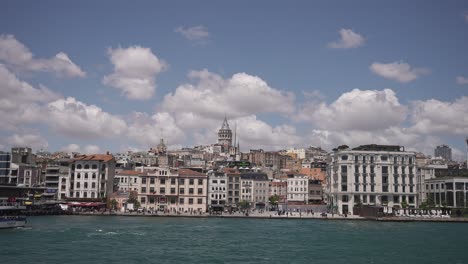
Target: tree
[[274, 200], [114, 204], [244, 205], [404, 205], [135, 202]]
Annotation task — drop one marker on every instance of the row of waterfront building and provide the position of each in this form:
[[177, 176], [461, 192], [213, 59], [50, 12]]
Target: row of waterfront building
[[220, 177]]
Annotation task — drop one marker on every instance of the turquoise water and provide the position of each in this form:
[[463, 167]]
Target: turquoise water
[[88, 239]]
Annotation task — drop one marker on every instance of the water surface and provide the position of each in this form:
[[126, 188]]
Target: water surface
[[90, 239]]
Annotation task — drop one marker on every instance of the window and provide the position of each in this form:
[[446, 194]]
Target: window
[[200, 181], [78, 167], [190, 190], [384, 169], [93, 185], [190, 200], [344, 157], [344, 169], [181, 191], [86, 167], [77, 195], [93, 195], [103, 167], [200, 190], [78, 185], [94, 175], [384, 199], [385, 188], [94, 167], [191, 181], [78, 176], [173, 180], [372, 199], [172, 190], [162, 190], [215, 181], [200, 201], [86, 175], [85, 195], [411, 199], [86, 185], [152, 190], [181, 181], [143, 180], [143, 200], [151, 199], [152, 180], [181, 200], [162, 180], [383, 158], [344, 198], [143, 189]]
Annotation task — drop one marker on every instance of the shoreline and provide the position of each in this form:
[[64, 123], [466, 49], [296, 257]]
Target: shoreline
[[294, 217]]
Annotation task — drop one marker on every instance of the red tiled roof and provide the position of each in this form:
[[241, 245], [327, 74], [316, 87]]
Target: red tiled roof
[[100, 157], [188, 172], [131, 172]]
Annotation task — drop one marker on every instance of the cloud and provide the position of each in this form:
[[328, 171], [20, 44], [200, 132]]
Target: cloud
[[92, 149], [34, 141], [79, 120], [462, 80], [135, 71], [439, 117], [20, 102], [71, 148], [241, 95], [17, 56], [397, 71], [193, 33], [148, 130], [349, 39], [356, 110], [88, 149]]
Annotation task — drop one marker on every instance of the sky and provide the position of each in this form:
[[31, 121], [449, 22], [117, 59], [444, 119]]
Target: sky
[[96, 76]]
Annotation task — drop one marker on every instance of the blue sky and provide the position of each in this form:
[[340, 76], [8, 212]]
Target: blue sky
[[286, 45]]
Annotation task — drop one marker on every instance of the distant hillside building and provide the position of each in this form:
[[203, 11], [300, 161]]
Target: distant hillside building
[[443, 151]]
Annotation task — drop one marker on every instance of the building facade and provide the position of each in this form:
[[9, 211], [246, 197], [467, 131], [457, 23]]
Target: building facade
[[298, 189], [444, 152], [371, 175], [90, 176], [217, 189]]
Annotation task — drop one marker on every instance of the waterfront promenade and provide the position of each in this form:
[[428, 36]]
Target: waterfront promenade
[[274, 215]]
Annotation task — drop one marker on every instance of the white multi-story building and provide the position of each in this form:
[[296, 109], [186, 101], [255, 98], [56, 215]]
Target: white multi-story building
[[91, 176], [193, 190], [298, 189], [217, 189], [128, 180], [371, 175], [158, 189], [255, 188]]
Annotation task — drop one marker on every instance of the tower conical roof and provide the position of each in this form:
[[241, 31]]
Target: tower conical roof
[[225, 124]]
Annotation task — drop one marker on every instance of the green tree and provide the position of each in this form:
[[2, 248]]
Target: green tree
[[274, 199], [244, 205], [404, 205], [135, 202], [114, 204]]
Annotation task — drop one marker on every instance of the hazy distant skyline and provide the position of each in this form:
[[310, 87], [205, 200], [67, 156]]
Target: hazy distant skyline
[[115, 75]]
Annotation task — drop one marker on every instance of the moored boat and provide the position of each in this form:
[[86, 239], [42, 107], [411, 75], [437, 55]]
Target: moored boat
[[10, 214]]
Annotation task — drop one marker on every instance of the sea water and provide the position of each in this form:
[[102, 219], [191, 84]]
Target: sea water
[[116, 239]]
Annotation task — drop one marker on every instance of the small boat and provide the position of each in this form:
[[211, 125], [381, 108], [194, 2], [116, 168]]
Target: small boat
[[10, 214]]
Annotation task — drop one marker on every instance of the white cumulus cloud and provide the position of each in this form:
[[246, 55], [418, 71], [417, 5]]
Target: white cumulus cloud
[[135, 71], [356, 110], [241, 95], [79, 120], [348, 39], [193, 33], [17, 56], [397, 71], [20, 102], [440, 118], [34, 141], [462, 80]]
